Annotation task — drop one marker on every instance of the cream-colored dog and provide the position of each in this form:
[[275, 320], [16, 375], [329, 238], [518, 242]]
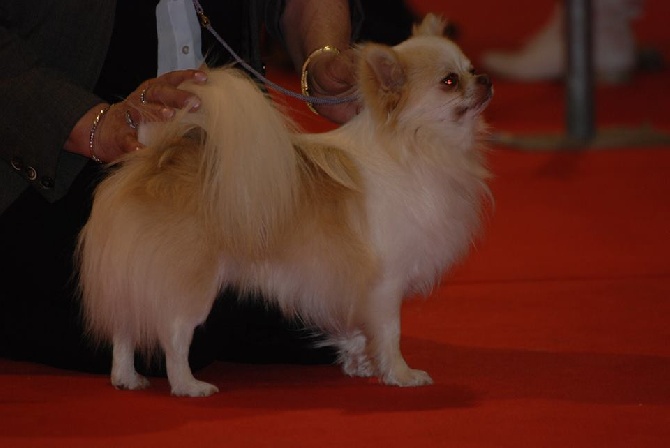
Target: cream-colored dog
[[335, 228]]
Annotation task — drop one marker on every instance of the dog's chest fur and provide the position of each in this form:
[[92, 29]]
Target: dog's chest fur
[[421, 221]]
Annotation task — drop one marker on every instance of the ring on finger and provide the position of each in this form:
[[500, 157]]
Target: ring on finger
[[143, 96], [130, 121]]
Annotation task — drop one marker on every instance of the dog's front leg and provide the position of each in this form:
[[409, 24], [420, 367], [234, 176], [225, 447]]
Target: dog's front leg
[[176, 346], [382, 326]]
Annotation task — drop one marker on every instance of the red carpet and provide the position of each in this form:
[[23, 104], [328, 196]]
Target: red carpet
[[554, 333]]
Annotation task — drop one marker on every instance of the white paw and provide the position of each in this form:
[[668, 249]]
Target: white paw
[[407, 378], [133, 381], [352, 355], [194, 388], [358, 365]]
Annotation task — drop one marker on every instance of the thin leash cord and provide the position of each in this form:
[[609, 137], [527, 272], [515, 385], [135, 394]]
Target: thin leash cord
[[205, 23]]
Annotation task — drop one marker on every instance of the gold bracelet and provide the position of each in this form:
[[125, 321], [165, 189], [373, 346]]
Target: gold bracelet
[[304, 84], [91, 135]]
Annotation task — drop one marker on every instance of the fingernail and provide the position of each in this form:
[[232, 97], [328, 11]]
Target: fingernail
[[167, 112], [200, 76], [194, 103]]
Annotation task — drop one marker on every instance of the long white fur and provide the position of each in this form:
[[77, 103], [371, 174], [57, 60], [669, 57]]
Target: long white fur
[[335, 228]]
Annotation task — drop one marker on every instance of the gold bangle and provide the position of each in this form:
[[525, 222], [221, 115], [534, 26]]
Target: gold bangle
[[304, 84]]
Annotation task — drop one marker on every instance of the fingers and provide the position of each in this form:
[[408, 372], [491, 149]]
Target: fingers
[[339, 113], [177, 77], [114, 135], [148, 112], [335, 75], [154, 100], [163, 91], [128, 143], [167, 95], [342, 70]]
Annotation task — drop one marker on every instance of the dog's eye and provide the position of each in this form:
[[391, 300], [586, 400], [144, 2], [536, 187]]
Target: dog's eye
[[451, 80]]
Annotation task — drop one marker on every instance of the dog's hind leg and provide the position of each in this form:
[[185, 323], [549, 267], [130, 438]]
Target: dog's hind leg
[[176, 345], [382, 328], [124, 375], [352, 354]]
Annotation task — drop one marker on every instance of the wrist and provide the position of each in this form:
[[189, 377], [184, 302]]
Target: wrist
[[92, 133], [78, 141]]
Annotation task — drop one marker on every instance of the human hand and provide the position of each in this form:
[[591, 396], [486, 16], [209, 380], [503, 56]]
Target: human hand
[[156, 99], [334, 75]]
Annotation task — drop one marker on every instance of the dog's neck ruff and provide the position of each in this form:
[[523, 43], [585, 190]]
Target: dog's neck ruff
[[206, 24]]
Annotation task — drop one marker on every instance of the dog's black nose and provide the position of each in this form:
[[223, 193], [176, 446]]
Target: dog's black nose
[[484, 80]]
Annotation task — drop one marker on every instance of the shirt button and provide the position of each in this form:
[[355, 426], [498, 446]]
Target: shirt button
[[17, 164], [31, 174], [185, 49], [47, 183]]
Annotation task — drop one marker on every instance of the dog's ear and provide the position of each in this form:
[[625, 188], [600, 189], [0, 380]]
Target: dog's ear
[[382, 77], [432, 25]]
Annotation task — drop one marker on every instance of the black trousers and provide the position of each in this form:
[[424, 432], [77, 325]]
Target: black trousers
[[40, 317]]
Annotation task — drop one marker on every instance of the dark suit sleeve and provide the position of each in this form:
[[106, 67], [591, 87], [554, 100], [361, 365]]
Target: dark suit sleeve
[[47, 74]]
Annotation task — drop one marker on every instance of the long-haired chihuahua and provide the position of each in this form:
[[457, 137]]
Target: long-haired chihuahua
[[334, 228]]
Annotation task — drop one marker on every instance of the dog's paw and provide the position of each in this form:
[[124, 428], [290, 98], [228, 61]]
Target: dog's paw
[[358, 365], [407, 378], [194, 388], [130, 382], [353, 357]]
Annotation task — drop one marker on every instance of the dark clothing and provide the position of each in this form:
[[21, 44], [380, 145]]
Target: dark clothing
[[51, 53], [58, 59], [131, 57]]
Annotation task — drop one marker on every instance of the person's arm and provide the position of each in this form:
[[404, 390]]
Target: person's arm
[[113, 135], [309, 26], [46, 78]]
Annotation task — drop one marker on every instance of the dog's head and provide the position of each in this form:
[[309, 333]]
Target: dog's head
[[426, 78]]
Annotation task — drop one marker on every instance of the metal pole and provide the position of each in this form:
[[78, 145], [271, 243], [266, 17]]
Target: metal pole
[[580, 102]]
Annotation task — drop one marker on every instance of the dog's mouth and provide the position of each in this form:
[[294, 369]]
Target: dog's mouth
[[481, 95], [477, 102], [483, 100]]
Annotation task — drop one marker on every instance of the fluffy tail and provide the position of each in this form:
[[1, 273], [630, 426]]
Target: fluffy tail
[[224, 177], [249, 171]]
